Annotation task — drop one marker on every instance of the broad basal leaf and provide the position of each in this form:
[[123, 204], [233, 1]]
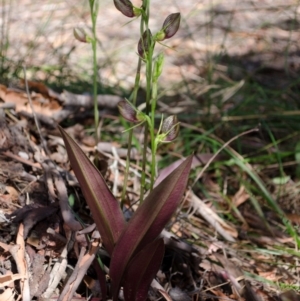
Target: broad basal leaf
[[148, 221], [141, 270], [103, 205]]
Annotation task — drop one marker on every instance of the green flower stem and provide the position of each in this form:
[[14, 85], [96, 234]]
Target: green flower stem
[[153, 100], [153, 142], [146, 13], [144, 161], [153, 150], [145, 18], [134, 97], [149, 126], [94, 5], [153, 161]]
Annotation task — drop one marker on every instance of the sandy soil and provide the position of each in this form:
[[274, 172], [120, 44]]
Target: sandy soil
[[40, 34]]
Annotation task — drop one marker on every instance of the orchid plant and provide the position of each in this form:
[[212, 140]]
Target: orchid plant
[[135, 248]]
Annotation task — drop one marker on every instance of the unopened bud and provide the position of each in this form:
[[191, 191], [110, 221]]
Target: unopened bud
[[126, 8], [169, 28], [170, 128], [143, 45], [80, 34], [129, 112]]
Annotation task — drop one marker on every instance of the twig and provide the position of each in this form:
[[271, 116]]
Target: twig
[[34, 114], [83, 263]]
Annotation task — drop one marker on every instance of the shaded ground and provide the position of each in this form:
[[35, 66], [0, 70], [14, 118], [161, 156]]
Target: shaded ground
[[42, 38], [217, 256]]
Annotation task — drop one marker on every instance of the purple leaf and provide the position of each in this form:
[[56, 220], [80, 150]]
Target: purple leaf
[[148, 221], [198, 160], [142, 269], [103, 205]]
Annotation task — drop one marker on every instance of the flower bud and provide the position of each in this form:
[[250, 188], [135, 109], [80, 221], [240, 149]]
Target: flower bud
[[126, 8], [169, 28], [143, 45], [129, 112], [170, 128], [80, 35]]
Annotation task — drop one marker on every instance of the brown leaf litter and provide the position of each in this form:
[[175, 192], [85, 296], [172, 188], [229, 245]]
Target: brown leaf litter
[[45, 253]]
